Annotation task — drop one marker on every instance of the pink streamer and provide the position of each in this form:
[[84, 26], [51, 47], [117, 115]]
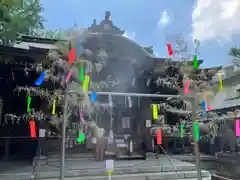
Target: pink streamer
[[68, 76], [237, 127], [81, 117], [186, 86], [209, 108]]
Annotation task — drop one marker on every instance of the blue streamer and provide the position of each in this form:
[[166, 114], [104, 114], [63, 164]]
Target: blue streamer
[[93, 96], [204, 107], [39, 81]]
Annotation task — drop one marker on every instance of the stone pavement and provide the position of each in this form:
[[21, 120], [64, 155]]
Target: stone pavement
[[89, 169]]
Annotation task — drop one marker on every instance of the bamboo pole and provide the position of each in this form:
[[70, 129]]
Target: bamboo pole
[[64, 121], [196, 144]]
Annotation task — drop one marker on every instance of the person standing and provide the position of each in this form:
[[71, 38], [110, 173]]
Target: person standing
[[100, 145]]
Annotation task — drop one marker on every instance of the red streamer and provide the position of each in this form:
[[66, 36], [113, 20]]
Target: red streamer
[[170, 50], [72, 56], [33, 129]]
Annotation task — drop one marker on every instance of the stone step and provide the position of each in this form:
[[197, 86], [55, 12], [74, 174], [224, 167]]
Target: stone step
[[184, 171], [189, 175]]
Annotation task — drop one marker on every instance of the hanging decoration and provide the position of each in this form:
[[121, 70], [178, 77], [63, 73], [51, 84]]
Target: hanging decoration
[[109, 167], [129, 102], [195, 62], [33, 91], [159, 136], [29, 99], [182, 130], [68, 76], [72, 56], [82, 73], [196, 131], [237, 127], [109, 174], [81, 138], [39, 81], [170, 50], [186, 87], [220, 82], [86, 82], [93, 96], [53, 107], [33, 129], [209, 108], [155, 111], [37, 115], [81, 116], [204, 106]]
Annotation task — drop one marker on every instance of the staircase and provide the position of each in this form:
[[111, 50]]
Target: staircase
[[141, 170]]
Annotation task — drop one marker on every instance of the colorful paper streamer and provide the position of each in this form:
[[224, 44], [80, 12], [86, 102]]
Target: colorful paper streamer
[[220, 82], [39, 81], [81, 117], [54, 107], [237, 127], [33, 132], [182, 130], [81, 138], [195, 62], [81, 73], [72, 56], [159, 136], [29, 99], [204, 106], [170, 50], [196, 131], [93, 96], [186, 87], [109, 174], [86, 82], [68, 76], [209, 108], [155, 111]]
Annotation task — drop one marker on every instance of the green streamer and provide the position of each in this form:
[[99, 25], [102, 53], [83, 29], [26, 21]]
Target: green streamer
[[181, 130], [81, 74], [81, 138], [29, 99], [195, 62], [196, 131]]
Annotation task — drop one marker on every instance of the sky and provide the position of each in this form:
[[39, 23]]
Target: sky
[[156, 22]]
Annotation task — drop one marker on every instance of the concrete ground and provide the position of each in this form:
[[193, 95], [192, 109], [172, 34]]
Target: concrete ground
[[88, 167]]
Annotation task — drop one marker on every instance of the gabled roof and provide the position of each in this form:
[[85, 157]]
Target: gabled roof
[[33, 42], [28, 38]]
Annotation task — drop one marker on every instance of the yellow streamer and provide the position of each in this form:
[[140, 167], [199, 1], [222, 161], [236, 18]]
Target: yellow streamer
[[54, 107], [155, 111], [220, 82], [86, 82], [109, 172]]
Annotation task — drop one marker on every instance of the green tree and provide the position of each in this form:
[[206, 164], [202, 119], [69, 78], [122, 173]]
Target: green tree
[[19, 16], [234, 52]]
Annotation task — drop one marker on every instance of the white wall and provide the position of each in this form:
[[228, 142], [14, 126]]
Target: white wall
[[229, 91]]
